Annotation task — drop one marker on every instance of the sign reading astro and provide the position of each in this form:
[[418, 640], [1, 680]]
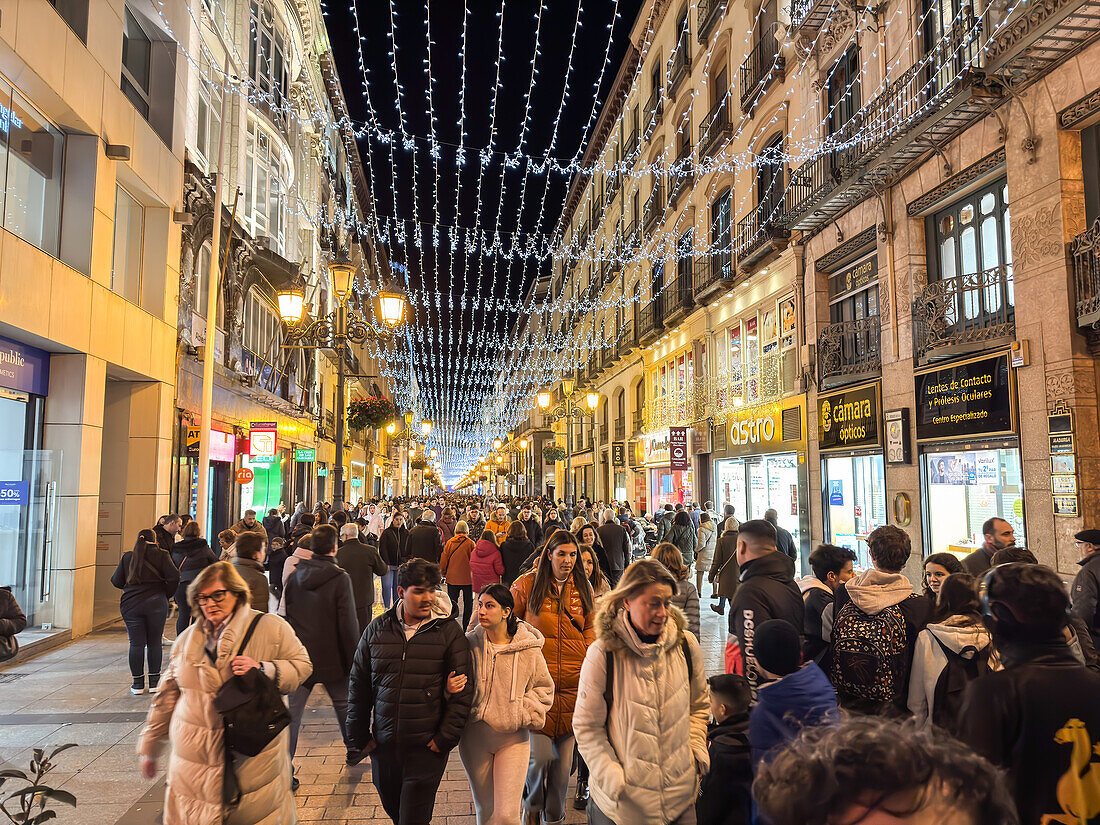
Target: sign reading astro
[[850, 419], [767, 428], [967, 399], [262, 439]]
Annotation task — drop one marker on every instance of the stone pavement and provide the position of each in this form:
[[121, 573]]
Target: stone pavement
[[80, 694]]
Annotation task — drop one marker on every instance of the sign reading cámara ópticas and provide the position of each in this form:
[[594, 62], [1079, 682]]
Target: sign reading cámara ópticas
[[973, 398]]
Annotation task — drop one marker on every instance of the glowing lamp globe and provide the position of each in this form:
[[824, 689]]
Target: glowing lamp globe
[[544, 400], [291, 305]]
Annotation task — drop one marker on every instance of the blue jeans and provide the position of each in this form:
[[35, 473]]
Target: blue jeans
[[389, 587], [145, 627]]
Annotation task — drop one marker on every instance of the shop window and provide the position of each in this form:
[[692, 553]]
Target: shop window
[[964, 488], [31, 151], [758, 483], [854, 488], [126, 256], [843, 96], [136, 50]]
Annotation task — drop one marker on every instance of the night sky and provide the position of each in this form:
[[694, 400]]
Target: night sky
[[454, 349]]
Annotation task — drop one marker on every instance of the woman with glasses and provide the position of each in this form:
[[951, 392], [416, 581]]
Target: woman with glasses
[[204, 657], [147, 576]]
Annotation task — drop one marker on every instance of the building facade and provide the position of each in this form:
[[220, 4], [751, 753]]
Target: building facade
[[847, 271]]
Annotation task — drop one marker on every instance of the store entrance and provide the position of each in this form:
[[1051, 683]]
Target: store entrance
[[758, 483], [854, 489]]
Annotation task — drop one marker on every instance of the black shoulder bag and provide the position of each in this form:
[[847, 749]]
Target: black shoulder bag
[[253, 714]]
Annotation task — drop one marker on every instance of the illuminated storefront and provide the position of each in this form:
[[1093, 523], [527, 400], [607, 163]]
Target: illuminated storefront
[[666, 485], [760, 464]]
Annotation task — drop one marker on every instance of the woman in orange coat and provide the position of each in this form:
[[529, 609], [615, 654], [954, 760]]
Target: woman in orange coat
[[557, 600], [455, 566]]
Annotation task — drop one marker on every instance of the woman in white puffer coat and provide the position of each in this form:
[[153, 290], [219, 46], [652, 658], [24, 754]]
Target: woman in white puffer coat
[[647, 751], [513, 692], [204, 657]]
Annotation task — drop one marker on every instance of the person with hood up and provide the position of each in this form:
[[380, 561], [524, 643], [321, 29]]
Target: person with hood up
[[405, 707], [376, 521], [514, 551], [455, 566], [273, 525], [706, 539], [249, 564], [798, 695], [191, 555], [447, 522], [725, 795], [831, 566], [642, 708], [486, 564], [876, 620], [513, 692], [320, 606], [392, 547], [556, 599], [207, 655], [767, 591], [425, 539], [955, 631]]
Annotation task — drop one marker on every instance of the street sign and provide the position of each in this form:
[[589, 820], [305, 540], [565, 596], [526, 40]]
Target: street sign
[[305, 455], [245, 476], [262, 438]]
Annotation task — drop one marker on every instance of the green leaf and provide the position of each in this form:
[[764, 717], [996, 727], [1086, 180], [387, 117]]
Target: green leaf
[[63, 797]]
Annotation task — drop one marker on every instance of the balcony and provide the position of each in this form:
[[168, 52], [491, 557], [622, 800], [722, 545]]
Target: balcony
[[627, 340], [610, 189], [632, 238], [714, 274], [604, 434], [848, 352], [606, 358], [684, 175], [926, 106], [630, 148], [1037, 37], [654, 207], [716, 128], [654, 109], [709, 13], [761, 233], [963, 314], [679, 297], [763, 65], [620, 429], [808, 16], [638, 422], [1085, 257], [650, 322], [679, 65]]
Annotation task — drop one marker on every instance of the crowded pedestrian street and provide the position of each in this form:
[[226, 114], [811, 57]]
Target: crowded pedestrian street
[[74, 694]]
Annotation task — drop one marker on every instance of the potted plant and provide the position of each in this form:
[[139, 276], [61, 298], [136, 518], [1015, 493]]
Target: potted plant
[[370, 412], [418, 463], [554, 453]]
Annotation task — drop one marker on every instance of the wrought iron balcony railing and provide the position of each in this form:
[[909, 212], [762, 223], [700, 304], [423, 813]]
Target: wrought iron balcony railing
[[760, 227], [630, 148], [654, 207], [716, 128], [1085, 254], [638, 422], [650, 321], [960, 314], [654, 109], [763, 65], [632, 238], [713, 273], [679, 65], [848, 349], [710, 12], [627, 340], [620, 429]]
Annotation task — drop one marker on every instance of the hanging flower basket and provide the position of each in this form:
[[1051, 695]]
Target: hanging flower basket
[[554, 453], [419, 463], [370, 412], [501, 471]]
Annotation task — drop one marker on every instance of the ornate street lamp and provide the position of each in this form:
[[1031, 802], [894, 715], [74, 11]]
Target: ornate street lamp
[[336, 331], [566, 410]]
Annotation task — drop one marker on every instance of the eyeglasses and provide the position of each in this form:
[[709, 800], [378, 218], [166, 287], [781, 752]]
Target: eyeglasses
[[217, 597]]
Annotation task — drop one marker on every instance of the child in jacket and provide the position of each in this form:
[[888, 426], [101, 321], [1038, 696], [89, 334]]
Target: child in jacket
[[725, 793]]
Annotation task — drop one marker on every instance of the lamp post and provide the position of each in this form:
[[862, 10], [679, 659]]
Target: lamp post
[[566, 410], [335, 331], [408, 435]]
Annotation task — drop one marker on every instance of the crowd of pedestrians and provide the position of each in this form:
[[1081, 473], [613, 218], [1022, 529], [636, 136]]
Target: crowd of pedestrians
[[849, 696]]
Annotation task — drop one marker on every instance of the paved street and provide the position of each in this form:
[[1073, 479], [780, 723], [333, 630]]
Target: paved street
[[80, 694]]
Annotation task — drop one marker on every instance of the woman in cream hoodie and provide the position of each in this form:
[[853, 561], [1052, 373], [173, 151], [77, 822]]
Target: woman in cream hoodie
[[513, 692], [957, 626]]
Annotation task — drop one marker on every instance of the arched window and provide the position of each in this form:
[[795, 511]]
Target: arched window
[[261, 339]]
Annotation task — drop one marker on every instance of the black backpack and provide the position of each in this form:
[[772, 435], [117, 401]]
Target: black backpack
[[961, 669], [252, 708]]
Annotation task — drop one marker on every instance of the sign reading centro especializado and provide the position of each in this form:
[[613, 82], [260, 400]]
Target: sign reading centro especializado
[[849, 418], [972, 398]]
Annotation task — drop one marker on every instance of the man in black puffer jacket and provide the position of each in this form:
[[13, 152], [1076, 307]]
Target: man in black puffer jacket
[[399, 709], [425, 540]]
